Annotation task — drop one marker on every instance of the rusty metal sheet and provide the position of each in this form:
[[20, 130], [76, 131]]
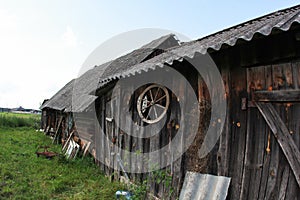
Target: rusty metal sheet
[[198, 186]]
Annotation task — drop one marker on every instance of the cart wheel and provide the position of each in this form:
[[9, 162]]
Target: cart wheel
[[153, 103]]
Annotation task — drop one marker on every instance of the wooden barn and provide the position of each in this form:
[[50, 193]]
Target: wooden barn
[[70, 112], [56, 113], [259, 144]]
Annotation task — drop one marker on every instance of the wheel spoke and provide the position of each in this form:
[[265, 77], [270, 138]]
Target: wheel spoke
[[149, 113], [160, 106], [160, 99], [156, 94], [155, 112], [151, 95]]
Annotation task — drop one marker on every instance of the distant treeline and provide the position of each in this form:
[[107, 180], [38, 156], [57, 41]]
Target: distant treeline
[[20, 110]]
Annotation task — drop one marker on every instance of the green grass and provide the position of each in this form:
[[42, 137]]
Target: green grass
[[23, 175], [19, 120]]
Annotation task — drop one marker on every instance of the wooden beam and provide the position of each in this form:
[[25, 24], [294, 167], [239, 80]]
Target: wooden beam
[[282, 136], [70, 136], [278, 95], [86, 149], [57, 128]]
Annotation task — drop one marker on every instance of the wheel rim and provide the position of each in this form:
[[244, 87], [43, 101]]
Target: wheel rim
[[153, 103]]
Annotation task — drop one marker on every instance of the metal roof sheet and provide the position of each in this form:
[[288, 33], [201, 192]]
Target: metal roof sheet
[[78, 95], [280, 20], [62, 99], [133, 62], [198, 186]]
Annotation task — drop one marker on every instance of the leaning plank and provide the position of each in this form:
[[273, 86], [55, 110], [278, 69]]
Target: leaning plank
[[282, 136], [65, 145], [56, 132], [86, 149], [280, 96]]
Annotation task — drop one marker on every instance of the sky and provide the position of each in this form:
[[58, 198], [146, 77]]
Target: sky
[[44, 43]]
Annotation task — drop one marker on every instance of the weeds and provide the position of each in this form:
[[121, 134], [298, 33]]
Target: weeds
[[14, 120], [23, 175]]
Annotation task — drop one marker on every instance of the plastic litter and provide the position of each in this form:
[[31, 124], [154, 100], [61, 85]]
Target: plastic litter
[[126, 194]]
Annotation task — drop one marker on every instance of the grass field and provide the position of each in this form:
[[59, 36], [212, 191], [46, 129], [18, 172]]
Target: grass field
[[19, 120], [23, 175]]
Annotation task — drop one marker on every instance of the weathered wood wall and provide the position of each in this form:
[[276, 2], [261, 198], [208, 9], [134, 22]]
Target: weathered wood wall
[[263, 70], [248, 150], [109, 106]]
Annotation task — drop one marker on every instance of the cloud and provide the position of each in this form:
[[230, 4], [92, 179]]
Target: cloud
[[69, 37]]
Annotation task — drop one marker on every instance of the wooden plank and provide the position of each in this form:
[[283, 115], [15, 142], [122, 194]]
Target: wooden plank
[[70, 136], [296, 74], [288, 76], [109, 135], [277, 96], [257, 153], [266, 165], [277, 77], [283, 163], [239, 133], [181, 94], [114, 139], [86, 149], [102, 141], [176, 164], [176, 169], [135, 140], [244, 173], [223, 160], [284, 183], [118, 136], [293, 124], [126, 125], [293, 191], [283, 137], [259, 77], [272, 170], [57, 129], [269, 78]]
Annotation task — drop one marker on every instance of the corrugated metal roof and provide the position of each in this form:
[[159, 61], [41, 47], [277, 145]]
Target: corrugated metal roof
[[86, 85], [198, 186], [133, 62], [123, 63], [62, 99], [83, 88], [280, 20]]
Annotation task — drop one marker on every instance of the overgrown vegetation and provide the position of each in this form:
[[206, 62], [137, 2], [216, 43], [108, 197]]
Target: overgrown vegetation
[[159, 177], [23, 175], [19, 120]]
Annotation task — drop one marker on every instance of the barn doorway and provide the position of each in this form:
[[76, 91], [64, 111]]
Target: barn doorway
[[272, 158]]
